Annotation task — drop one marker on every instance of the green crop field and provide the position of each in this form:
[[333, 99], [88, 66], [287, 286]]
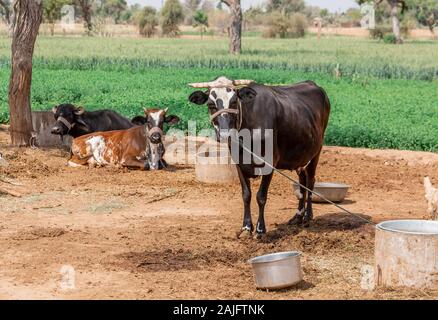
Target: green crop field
[[387, 96]]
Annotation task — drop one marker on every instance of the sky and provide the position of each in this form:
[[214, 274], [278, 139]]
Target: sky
[[332, 5]]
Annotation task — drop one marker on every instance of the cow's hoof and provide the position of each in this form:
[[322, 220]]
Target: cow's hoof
[[259, 236], [296, 220], [306, 222], [243, 233]]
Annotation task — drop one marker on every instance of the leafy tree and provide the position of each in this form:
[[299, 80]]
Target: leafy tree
[[286, 26], [52, 12], [200, 20], [114, 8], [147, 21], [172, 15], [354, 16], [85, 9], [207, 6], [190, 7], [324, 13], [254, 16], [286, 7], [426, 12]]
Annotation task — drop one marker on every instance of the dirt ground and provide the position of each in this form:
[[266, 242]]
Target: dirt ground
[[112, 233]]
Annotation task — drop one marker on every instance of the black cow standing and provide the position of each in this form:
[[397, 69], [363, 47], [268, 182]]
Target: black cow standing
[[298, 116], [75, 121]]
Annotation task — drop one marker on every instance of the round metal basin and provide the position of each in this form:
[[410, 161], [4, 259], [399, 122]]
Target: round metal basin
[[406, 253], [277, 270], [335, 192], [215, 167]]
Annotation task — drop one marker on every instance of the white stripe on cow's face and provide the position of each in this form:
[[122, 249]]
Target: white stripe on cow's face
[[154, 156], [156, 118], [223, 94]]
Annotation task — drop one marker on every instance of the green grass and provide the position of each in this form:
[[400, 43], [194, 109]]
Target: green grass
[[413, 60], [375, 107]]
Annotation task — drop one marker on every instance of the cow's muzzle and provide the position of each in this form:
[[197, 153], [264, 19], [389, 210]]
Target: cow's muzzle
[[59, 122], [155, 135]]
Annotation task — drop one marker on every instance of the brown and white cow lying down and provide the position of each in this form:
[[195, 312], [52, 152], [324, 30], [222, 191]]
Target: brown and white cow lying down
[[140, 147]]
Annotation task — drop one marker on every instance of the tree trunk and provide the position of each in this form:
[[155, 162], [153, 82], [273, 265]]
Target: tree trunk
[[236, 27], [395, 20], [28, 18], [431, 22], [86, 12]]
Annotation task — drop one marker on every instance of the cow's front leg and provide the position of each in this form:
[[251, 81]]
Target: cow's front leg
[[262, 196], [162, 164], [245, 183], [136, 164], [298, 218]]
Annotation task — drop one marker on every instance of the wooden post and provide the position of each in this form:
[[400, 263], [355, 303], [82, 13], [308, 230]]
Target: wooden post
[[318, 23], [28, 15]]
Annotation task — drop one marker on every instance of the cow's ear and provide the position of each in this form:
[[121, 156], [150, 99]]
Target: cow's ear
[[171, 120], [79, 111], [55, 109], [198, 97], [246, 94], [139, 120]]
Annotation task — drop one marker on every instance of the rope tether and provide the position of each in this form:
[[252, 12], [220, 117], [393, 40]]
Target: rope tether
[[314, 192]]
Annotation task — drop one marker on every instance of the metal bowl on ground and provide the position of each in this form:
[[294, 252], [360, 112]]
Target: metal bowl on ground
[[335, 192], [277, 270], [406, 253], [216, 167]]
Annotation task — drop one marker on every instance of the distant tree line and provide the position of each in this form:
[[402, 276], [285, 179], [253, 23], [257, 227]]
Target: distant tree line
[[275, 18]]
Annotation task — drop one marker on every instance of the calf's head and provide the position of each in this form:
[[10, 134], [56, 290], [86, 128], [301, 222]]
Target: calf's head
[[154, 122], [67, 116], [223, 98]]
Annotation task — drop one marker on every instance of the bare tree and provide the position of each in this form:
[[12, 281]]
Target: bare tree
[[28, 15], [236, 25]]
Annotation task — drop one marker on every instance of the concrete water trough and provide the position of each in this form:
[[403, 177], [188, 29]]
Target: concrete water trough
[[42, 122], [406, 253], [216, 167], [335, 192]]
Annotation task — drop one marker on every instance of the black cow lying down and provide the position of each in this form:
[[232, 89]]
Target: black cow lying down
[[296, 115], [75, 121]]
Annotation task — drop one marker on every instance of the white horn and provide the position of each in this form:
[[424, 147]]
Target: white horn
[[200, 85], [242, 82]]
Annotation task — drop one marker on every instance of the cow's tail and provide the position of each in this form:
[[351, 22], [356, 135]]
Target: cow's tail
[[326, 104]]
